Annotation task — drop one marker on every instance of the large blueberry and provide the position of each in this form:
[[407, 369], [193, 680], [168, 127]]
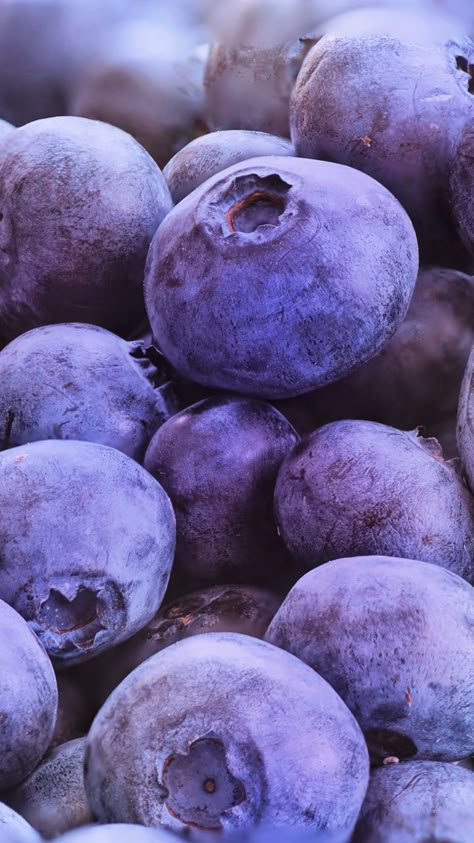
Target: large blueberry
[[223, 731], [417, 802], [79, 204], [14, 829], [416, 378], [210, 154], [28, 699], [79, 381], [462, 177], [300, 271], [355, 488], [218, 461], [87, 544], [222, 608], [394, 637], [392, 109], [53, 797]]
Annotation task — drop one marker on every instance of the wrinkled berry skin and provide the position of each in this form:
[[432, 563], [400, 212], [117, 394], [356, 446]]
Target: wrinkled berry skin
[[461, 182], [14, 829], [466, 421], [222, 608], [356, 488], [80, 202], [416, 378], [284, 295], [394, 637], [87, 544], [53, 798], [416, 802], [210, 154], [117, 833], [240, 726], [218, 461], [29, 703], [80, 382], [396, 118]]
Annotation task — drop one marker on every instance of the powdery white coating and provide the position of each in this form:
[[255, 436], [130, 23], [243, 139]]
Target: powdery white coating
[[117, 833], [28, 699], [353, 488], [394, 637], [294, 753], [416, 802], [14, 829], [53, 797], [466, 420], [210, 154], [87, 544], [283, 295], [76, 381], [80, 203], [392, 109]]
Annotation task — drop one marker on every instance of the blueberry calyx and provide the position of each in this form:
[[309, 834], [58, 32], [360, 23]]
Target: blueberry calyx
[[198, 786], [465, 66]]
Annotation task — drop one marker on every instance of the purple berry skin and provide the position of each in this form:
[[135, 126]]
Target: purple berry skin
[[392, 109], [394, 638], [416, 802], [208, 155], [218, 461], [356, 488], [284, 295], [14, 829], [466, 421], [243, 734], [87, 544], [53, 797], [117, 833], [80, 203], [28, 704], [76, 381]]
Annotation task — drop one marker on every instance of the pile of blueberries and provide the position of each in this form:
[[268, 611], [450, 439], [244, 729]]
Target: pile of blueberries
[[236, 421]]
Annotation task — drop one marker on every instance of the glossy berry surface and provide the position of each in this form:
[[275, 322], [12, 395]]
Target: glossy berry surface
[[371, 627], [218, 461], [204, 761], [355, 488], [80, 203], [104, 573], [278, 302], [77, 381], [29, 703]]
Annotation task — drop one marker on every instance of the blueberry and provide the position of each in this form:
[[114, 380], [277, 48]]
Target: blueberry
[[87, 544], [222, 731], [223, 608], [355, 488], [397, 119], [461, 177], [249, 86], [80, 203], [394, 637], [53, 797], [218, 461], [149, 81], [302, 270], [117, 833], [416, 378], [80, 382], [14, 829], [417, 802], [210, 154], [28, 699]]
